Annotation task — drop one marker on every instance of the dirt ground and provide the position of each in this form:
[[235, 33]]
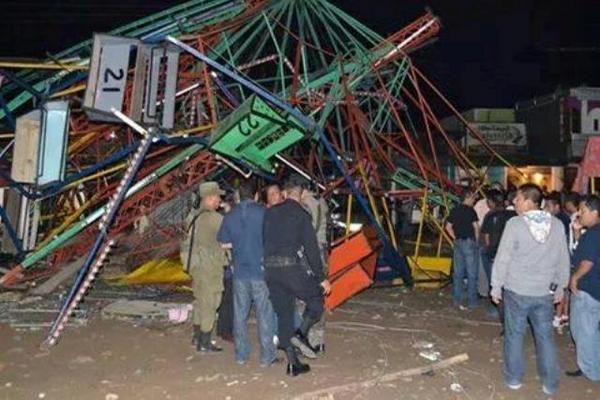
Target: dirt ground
[[372, 335]]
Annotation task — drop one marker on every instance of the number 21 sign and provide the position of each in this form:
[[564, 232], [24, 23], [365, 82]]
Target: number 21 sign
[[108, 76]]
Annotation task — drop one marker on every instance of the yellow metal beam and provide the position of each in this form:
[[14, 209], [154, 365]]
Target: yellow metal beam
[[69, 91], [365, 181], [183, 132], [67, 222], [81, 143], [96, 175], [390, 225], [348, 215], [27, 65], [424, 211]]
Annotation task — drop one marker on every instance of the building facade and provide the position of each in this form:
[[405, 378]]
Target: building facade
[[559, 124]]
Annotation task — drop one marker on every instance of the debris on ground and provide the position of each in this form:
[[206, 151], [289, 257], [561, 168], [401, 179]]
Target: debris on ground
[[135, 310], [142, 361], [26, 311], [430, 355], [423, 345], [37, 313], [456, 387]]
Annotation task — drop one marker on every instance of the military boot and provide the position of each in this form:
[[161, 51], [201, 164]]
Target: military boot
[[205, 345], [195, 335], [294, 366]]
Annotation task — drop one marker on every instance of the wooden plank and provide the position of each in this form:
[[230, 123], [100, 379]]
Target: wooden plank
[[355, 386], [25, 155]]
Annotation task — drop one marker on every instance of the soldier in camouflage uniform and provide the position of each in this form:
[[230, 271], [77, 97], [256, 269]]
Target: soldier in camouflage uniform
[[206, 263]]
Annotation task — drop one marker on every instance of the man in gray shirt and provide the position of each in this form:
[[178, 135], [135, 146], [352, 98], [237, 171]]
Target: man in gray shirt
[[530, 272]]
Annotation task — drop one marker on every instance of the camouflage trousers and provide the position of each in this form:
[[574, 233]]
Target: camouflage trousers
[[208, 292], [206, 304]]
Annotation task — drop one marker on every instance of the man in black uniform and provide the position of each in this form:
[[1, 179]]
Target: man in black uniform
[[293, 270]]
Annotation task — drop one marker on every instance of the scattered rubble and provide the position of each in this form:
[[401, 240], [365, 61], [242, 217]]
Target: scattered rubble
[[423, 345], [145, 310], [30, 311], [456, 387], [430, 355]]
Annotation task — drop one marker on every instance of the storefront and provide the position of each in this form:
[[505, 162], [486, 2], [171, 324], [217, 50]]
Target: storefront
[[546, 177]]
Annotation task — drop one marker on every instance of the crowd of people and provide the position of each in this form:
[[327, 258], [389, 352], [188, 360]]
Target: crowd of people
[[540, 257], [534, 255], [275, 251]]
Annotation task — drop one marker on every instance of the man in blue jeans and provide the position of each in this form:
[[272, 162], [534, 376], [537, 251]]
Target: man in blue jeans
[[585, 289], [463, 228], [530, 273], [242, 231]]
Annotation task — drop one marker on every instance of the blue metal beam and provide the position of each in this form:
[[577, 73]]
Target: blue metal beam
[[230, 96]]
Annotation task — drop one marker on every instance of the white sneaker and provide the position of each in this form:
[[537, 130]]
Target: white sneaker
[[556, 321], [514, 386]]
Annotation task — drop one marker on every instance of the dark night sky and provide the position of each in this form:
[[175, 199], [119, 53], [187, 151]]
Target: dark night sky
[[489, 52]]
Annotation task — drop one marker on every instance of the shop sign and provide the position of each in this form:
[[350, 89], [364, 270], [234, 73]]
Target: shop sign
[[502, 137]]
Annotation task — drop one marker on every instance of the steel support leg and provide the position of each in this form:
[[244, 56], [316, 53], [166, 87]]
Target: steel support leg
[[87, 272]]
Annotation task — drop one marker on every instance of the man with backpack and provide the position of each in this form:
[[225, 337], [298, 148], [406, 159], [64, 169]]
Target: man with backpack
[[204, 259]]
